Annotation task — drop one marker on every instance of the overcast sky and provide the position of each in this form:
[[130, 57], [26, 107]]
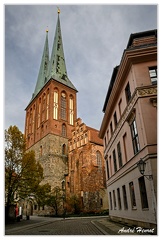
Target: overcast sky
[[94, 38]]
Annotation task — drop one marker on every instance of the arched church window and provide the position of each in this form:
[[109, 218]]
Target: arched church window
[[63, 106], [43, 107], [39, 112], [47, 110], [71, 110], [55, 105], [99, 160], [33, 120], [63, 130], [63, 149]]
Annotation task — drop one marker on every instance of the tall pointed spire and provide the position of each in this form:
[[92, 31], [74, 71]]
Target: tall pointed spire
[[57, 66], [43, 68]]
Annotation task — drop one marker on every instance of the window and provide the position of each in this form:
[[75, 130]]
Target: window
[[33, 121], [99, 160], [132, 195], [143, 193], [115, 119], [124, 144], [120, 113], [119, 199], [47, 110], [114, 199], [107, 169], [63, 130], [125, 197], [55, 105], [114, 159], [41, 150], [153, 74], [119, 155], [43, 106], [110, 198], [128, 92], [111, 128], [39, 112], [135, 139], [63, 106], [63, 149], [71, 110]]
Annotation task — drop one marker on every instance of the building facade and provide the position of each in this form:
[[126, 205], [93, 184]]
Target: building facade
[[51, 119], [51, 113], [86, 179], [129, 133]]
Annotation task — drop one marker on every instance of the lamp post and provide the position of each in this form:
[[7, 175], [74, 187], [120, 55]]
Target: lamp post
[[141, 167]]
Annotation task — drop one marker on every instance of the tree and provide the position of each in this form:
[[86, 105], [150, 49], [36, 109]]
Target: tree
[[42, 193], [75, 203], [22, 172], [55, 199]]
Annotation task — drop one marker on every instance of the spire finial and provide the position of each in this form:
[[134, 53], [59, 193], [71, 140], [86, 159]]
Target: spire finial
[[47, 29], [58, 10]]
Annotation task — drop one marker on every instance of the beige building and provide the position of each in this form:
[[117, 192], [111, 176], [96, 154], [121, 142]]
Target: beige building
[[86, 172], [129, 133]]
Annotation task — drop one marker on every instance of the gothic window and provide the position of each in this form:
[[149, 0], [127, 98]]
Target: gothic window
[[63, 130], [43, 107], [39, 112], [27, 123], [47, 110], [33, 120], [63, 106], [30, 121], [71, 110], [55, 105], [63, 149], [99, 160], [41, 150]]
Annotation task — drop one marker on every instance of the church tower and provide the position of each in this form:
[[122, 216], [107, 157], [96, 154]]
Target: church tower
[[51, 113]]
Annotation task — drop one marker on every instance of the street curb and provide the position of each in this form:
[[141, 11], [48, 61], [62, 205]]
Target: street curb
[[99, 228]]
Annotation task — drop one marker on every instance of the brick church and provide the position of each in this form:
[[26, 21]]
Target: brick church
[[69, 151]]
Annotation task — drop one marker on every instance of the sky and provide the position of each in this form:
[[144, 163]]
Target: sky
[[94, 38]]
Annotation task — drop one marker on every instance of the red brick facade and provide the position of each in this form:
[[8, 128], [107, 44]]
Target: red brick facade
[[86, 178]]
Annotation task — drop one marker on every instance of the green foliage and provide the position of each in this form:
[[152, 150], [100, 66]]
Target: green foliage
[[23, 173], [55, 199], [75, 203]]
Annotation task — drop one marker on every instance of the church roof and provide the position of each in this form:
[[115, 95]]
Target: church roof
[[55, 68], [43, 68]]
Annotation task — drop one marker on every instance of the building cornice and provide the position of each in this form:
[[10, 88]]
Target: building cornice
[[129, 58], [140, 92]]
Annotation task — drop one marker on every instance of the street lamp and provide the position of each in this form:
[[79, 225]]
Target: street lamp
[[141, 167]]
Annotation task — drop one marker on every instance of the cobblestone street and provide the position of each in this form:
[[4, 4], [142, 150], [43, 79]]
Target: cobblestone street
[[82, 226]]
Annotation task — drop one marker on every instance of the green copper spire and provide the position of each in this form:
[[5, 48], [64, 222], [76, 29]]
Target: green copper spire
[[57, 66], [43, 68]]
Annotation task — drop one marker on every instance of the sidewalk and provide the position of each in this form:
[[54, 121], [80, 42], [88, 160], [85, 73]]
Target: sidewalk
[[113, 228]]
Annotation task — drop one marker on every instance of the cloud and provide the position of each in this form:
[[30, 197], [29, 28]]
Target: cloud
[[94, 38]]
